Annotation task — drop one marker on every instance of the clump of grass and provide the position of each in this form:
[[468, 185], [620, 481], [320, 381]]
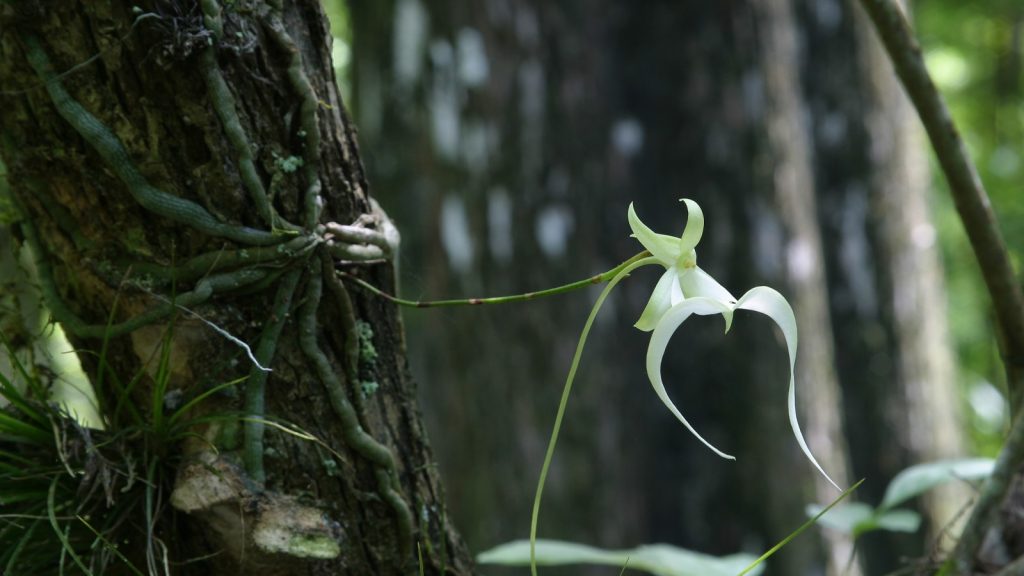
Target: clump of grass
[[80, 500], [58, 478]]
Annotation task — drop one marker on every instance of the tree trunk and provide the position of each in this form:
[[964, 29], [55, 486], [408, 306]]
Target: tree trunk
[[140, 141], [884, 276]]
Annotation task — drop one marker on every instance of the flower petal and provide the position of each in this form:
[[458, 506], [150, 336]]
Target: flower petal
[[661, 300], [664, 248], [694, 226], [774, 305], [698, 283], [659, 342]]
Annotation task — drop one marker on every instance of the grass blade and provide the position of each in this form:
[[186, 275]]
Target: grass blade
[[802, 527], [65, 543]]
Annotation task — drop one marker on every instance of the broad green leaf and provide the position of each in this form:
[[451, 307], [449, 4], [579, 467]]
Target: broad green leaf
[[857, 518], [658, 559], [899, 520], [769, 302], [664, 248], [918, 479], [847, 519], [659, 342]]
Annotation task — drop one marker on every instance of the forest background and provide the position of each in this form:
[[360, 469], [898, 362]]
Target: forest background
[[506, 138], [503, 189]]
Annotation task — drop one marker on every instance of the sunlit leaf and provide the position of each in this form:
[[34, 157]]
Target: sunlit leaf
[[847, 519]]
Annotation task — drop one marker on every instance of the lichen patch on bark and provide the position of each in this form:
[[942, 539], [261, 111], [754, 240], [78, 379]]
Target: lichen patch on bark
[[291, 528]]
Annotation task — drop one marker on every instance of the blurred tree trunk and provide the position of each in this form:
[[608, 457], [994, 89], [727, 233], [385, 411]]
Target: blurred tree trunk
[[884, 275], [510, 136], [316, 512]]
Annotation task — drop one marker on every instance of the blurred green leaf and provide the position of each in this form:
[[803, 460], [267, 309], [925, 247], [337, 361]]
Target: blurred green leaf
[[918, 479], [899, 520], [858, 518], [659, 559], [848, 519]]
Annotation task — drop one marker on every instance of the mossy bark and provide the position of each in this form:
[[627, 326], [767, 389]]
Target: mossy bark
[[139, 73]]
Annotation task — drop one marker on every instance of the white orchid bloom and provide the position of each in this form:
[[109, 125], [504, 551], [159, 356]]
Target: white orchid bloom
[[685, 290]]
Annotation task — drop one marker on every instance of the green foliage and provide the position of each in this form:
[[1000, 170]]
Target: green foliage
[[858, 518], [55, 476], [659, 559], [974, 50], [341, 49]]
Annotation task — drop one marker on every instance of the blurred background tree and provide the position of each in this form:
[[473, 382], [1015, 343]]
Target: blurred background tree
[[508, 137]]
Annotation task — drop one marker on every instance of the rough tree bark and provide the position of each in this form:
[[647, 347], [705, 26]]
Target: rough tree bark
[[111, 114]]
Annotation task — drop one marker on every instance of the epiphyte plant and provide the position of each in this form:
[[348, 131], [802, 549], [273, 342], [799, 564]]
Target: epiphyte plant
[[683, 290]]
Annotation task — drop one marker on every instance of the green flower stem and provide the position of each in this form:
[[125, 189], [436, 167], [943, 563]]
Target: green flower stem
[[598, 279], [620, 272]]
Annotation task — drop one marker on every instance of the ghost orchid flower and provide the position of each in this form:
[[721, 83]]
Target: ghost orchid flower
[[684, 289]]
